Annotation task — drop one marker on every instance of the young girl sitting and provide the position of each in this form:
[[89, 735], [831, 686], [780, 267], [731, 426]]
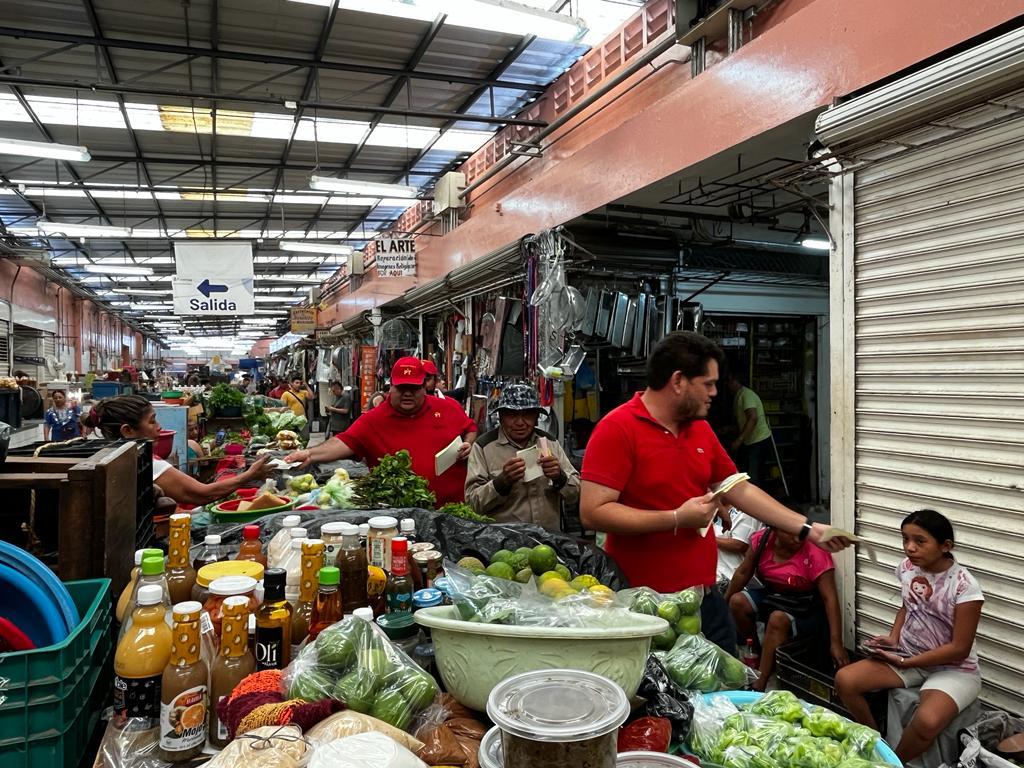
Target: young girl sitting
[[931, 643]]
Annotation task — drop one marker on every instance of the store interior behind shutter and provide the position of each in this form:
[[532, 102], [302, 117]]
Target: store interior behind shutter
[[5, 348], [939, 297]]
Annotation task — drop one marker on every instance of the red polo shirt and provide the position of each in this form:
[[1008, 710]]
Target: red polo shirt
[[384, 430], [654, 469]]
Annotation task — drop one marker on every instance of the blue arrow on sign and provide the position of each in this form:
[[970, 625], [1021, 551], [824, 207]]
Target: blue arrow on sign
[[206, 288]]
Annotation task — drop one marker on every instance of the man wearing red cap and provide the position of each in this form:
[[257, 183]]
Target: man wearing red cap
[[430, 381], [409, 419]]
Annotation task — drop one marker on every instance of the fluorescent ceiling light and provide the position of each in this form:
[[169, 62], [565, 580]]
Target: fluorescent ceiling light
[[277, 299], [94, 113], [67, 229], [119, 269], [357, 187], [304, 247], [44, 149], [272, 312], [816, 244], [492, 15], [141, 291]]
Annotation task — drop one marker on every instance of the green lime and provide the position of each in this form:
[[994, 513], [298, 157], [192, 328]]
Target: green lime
[[689, 601], [644, 602], [664, 640], [518, 562], [549, 576], [584, 581], [543, 558], [524, 575], [501, 556], [688, 625], [562, 571], [500, 570], [471, 564], [525, 552], [669, 611]]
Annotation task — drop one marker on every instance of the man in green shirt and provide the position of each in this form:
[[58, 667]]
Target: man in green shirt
[[752, 445]]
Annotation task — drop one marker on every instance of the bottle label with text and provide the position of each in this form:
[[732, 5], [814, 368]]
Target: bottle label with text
[[137, 696], [269, 648], [183, 721]]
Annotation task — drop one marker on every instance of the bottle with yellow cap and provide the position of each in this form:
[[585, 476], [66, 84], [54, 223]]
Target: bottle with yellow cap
[[234, 662], [184, 694], [180, 574]]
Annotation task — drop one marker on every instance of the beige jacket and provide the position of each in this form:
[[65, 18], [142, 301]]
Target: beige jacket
[[534, 502]]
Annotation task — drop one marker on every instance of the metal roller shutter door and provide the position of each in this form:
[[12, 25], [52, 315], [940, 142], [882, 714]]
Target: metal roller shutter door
[[939, 365], [5, 348]]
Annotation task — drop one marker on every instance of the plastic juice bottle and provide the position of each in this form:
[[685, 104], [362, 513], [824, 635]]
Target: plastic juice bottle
[[407, 528], [399, 590], [142, 653], [749, 656], [234, 662], [250, 548], [312, 557], [278, 546], [327, 606], [294, 534], [210, 553], [273, 623], [181, 576], [151, 574], [184, 694], [351, 561], [129, 588]]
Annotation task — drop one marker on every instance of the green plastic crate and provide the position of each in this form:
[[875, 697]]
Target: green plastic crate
[[55, 695]]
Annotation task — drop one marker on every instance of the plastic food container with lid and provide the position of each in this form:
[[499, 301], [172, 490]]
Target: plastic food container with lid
[[223, 588], [210, 572], [551, 718], [643, 759], [378, 543]]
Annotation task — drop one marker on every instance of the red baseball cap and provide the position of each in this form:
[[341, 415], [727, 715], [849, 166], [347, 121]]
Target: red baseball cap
[[429, 368], [407, 370]]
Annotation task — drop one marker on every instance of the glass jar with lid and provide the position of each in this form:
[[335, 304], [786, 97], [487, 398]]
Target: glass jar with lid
[[208, 574], [331, 533], [378, 544], [225, 587]]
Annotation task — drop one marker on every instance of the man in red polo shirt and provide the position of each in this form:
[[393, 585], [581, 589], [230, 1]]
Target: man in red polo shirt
[[646, 474], [409, 419]]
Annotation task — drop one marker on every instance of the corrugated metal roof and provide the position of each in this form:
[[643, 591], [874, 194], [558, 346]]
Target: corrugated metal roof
[[80, 60]]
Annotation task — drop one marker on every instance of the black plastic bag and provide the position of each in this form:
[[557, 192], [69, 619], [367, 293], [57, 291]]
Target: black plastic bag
[[665, 699], [455, 537]]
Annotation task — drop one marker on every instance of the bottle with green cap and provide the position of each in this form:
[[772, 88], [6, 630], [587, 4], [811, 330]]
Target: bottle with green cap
[[327, 606], [151, 572]]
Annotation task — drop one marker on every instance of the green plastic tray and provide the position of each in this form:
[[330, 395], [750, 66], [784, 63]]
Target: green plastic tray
[[54, 695]]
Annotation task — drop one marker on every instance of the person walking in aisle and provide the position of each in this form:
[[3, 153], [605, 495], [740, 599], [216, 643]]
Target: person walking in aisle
[[753, 442], [647, 471], [340, 409]]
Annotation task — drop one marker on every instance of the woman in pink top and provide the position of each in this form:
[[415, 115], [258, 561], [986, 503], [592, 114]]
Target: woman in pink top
[[798, 597]]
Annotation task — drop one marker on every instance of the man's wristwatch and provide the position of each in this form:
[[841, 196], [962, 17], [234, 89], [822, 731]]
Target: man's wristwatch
[[805, 531]]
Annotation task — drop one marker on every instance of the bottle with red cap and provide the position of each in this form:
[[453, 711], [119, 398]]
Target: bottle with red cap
[[251, 549], [399, 589]]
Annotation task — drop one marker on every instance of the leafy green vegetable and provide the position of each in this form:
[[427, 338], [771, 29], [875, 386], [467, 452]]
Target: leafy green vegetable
[[461, 509], [392, 483], [225, 396], [279, 420], [256, 420]]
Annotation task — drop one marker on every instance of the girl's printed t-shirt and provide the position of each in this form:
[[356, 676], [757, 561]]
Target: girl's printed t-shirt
[[798, 573], [931, 600]]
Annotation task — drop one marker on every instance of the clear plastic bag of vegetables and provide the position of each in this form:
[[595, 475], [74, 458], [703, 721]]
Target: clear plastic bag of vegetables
[[696, 664], [538, 603], [709, 716], [353, 662], [680, 609]]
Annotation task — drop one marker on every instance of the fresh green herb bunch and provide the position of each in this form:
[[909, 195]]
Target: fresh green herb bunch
[[226, 396], [461, 509], [392, 483]]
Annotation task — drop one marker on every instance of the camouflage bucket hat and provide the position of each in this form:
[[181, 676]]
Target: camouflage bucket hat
[[519, 397]]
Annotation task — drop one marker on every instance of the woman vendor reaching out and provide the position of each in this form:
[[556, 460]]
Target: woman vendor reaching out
[[133, 417]]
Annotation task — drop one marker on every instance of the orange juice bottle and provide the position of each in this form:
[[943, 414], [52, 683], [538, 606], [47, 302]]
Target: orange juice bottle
[[142, 653], [250, 548], [184, 695]]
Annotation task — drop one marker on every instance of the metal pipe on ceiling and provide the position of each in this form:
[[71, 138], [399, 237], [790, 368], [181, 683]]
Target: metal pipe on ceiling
[[362, 109], [664, 44], [264, 58]]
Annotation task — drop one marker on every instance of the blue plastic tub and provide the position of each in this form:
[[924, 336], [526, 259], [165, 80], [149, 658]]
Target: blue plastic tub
[[740, 698]]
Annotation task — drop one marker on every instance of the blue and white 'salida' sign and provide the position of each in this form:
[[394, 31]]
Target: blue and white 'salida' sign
[[213, 279]]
